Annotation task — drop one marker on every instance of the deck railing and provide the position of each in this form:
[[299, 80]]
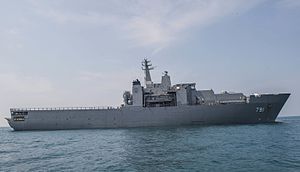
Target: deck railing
[[64, 108]]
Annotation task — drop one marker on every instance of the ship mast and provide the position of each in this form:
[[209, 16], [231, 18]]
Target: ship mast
[[147, 66]]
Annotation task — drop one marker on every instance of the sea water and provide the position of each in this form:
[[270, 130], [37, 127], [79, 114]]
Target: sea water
[[260, 147]]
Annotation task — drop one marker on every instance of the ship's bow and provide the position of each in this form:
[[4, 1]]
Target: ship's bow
[[277, 105]]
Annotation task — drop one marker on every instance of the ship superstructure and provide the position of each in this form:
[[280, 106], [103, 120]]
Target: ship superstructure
[[157, 104], [165, 94]]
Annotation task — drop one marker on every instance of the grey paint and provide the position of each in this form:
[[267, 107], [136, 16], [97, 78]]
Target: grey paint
[[190, 107], [231, 113]]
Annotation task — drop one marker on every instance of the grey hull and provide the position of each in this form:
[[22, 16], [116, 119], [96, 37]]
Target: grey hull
[[230, 113]]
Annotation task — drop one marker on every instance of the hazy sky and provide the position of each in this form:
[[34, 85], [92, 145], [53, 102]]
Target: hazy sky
[[87, 52]]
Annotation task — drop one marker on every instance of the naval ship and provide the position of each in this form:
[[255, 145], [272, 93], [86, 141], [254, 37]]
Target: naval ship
[[156, 104]]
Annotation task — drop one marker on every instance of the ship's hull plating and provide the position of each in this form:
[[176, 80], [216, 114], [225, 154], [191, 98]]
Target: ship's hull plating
[[264, 111]]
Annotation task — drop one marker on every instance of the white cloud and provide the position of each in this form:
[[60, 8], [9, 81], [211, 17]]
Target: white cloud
[[148, 23], [107, 78], [13, 31], [90, 76], [88, 17], [289, 3], [10, 39], [12, 83]]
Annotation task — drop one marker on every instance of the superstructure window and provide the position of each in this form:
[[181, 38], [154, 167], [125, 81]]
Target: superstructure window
[[19, 113], [19, 118]]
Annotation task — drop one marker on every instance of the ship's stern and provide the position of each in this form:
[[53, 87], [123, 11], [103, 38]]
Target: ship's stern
[[18, 119]]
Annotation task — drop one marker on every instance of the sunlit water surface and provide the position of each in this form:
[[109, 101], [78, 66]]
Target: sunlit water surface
[[263, 147]]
